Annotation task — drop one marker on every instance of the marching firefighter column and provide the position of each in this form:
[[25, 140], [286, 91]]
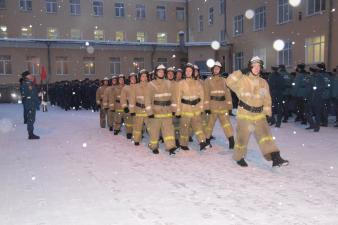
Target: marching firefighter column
[[218, 102], [158, 104], [190, 100], [125, 103], [137, 107], [253, 107], [99, 102]]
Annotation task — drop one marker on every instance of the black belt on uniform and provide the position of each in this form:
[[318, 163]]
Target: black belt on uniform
[[162, 103], [118, 101], [217, 98], [190, 102], [250, 108], [140, 105]]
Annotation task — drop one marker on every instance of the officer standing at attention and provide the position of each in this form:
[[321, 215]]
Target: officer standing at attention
[[30, 94]]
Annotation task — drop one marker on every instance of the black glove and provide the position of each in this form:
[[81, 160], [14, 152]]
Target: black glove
[[132, 114], [207, 111], [126, 110], [151, 116], [173, 113], [178, 116]]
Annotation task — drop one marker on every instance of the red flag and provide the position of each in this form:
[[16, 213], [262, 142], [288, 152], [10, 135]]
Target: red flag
[[43, 73]]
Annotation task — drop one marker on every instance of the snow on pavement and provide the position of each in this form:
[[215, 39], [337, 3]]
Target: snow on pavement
[[80, 174]]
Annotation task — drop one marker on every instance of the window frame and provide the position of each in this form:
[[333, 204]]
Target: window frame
[[5, 63]]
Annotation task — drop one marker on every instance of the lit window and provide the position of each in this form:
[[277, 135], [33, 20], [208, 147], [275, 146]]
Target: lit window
[[314, 49], [62, 65], [26, 32], [119, 36], [140, 36], [162, 37], [52, 33], [98, 35], [5, 65], [138, 64], [3, 32], [89, 65], [75, 34]]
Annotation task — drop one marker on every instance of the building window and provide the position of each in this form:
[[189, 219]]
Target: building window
[[119, 36], [51, 6], [238, 25], [284, 11], [75, 8], [314, 49], [2, 4], [163, 61], [89, 65], [5, 65], [25, 5], [222, 36], [33, 65], [221, 7], [98, 8], [115, 65], [62, 66], [138, 64], [315, 6], [26, 32], [140, 11], [160, 13], [75, 34], [211, 16], [261, 53], [3, 32], [52, 33], [180, 13], [260, 19], [162, 37], [140, 36], [285, 56], [238, 60], [119, 9], [98, 35], [200, 23]]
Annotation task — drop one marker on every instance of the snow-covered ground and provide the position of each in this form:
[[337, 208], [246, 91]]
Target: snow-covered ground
[[80, 174]]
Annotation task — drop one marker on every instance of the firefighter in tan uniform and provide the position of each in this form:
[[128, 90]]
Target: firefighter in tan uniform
[[171, 75], [119, 112], [125, 103], [108, 93], [218, 102], [137, 106], [99, 102], [179, 74], [158, 107], [190, 101], [253, 107]]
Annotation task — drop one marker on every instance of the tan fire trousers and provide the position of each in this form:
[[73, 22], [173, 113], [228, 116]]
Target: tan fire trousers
[[162, 126]]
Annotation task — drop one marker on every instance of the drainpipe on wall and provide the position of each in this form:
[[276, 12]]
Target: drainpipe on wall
[[49, 67], [187, 20], [227, 44], [329, 41]]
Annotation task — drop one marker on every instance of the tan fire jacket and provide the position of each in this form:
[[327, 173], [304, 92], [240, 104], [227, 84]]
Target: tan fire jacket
[[126, 94], [189, 90], [109, 98], [159, 91], [137, 99], [117, 98], [252, 90], [217, 94], [100, 95]]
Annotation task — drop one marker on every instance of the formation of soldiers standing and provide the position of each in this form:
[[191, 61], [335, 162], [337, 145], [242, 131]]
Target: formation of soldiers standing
[[311, 96], [173, 105]]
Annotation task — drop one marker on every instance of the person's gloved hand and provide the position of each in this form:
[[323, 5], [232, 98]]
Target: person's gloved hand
[[126, 110]]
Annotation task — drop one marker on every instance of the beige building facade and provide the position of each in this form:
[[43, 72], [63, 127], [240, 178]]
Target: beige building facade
[[78, 39]]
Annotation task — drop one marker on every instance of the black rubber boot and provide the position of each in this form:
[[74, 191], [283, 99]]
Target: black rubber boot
[[190, 139], [203, 146], [185, 148], [116, 132], [177, 142], [129, 136], [155, 151], [231, 142], [242, 163], [207, 141], [137, 143], [277, 160], [110, 128], [172, 151], [32, 136]]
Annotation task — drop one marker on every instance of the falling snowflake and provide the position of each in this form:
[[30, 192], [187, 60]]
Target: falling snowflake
[[84, 145]]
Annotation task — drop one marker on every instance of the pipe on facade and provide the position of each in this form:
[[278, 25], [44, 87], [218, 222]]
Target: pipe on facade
[[329, 41]]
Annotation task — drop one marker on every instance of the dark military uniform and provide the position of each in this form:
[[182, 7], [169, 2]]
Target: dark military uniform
[[300, 92], [276, 85]]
